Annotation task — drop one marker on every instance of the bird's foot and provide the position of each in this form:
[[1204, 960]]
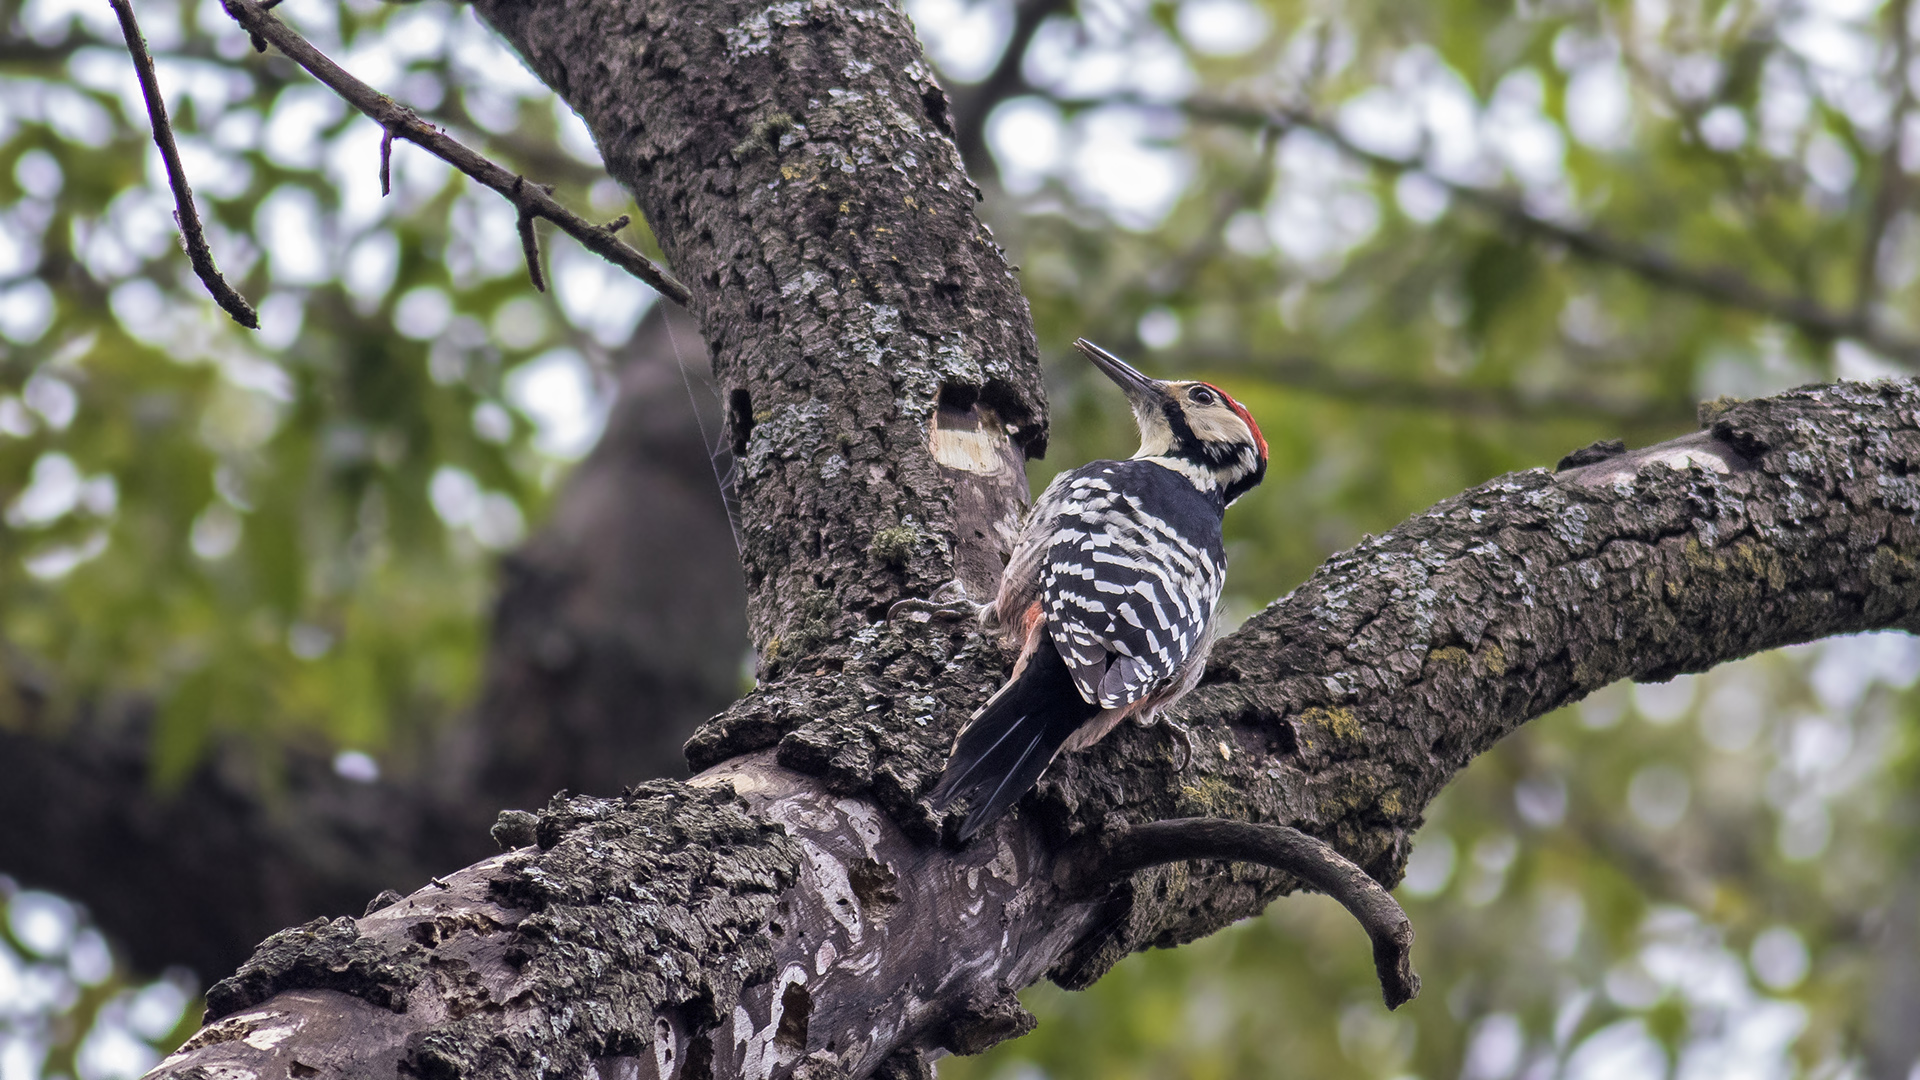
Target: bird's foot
[[1175, 727]]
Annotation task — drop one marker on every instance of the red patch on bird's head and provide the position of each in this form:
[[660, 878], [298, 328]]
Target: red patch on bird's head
[[1241, 410]]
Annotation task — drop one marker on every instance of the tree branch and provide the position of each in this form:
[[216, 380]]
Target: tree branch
[[790, 912], [398, 121], [1342, 709], [1721, 285], [1313, 861], [184, 213]]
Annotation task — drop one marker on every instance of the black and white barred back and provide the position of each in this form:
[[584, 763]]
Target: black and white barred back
[[1112, 587], [1131, 577], [1109, 594]]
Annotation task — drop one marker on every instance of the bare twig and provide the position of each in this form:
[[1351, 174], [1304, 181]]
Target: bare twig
[[529, 242], [1722, 285], [1312, 860], [184, 213], [531, 200], [386, 163]]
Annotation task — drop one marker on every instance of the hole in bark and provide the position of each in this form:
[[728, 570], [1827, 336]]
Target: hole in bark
[[299, 1069], [958, 396], [1284, 741], [740, 420], [795, 1004], [934, 100], [1006, 403]]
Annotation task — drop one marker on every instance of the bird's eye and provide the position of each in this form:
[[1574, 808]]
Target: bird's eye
[[1200, 395]]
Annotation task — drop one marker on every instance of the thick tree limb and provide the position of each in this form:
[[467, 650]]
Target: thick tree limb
[[1341, 710], [797, 166], [1125, 852], [398, 121], [791, 911], [198, 253]]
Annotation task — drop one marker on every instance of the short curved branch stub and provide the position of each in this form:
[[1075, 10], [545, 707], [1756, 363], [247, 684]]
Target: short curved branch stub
[[1312, 860]]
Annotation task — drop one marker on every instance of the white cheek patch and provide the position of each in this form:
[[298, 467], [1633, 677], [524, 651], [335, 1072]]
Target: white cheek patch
[[1217, 424]]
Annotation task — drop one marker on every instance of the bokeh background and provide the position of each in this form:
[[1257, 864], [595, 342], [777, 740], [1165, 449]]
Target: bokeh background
[[1484, 235]]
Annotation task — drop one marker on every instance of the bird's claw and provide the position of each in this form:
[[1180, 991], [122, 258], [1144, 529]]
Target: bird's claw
[[1186, 740]]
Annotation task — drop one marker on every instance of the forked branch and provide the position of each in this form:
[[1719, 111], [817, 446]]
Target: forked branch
[[399, 122], [1281, 847]]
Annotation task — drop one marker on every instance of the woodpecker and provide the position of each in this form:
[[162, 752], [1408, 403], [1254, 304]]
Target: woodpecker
[[1111, 589]]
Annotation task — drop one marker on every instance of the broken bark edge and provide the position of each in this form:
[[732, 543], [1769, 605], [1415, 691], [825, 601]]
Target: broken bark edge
[[1281, 847]]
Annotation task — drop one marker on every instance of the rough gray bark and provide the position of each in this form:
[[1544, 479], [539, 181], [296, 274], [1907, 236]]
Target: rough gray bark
[[796, 164], [792, 911], [613, 637], [664, 936]]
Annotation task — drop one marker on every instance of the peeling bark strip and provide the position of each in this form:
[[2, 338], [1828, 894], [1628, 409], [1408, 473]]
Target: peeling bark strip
[[763, 922], [795, 161]]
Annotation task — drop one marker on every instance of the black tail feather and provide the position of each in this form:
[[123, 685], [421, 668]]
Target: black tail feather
[[1012, 740]]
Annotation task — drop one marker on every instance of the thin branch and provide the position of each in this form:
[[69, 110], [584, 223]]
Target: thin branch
[[1719, 284], [529, 239], [195, 238], [1308, 858], [531, 200], [530, 247], [1179, 271], [25, 53], [386, 163]]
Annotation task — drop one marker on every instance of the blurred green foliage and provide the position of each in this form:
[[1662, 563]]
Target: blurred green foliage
[[284, 536], [1689, 880], [280, 535]]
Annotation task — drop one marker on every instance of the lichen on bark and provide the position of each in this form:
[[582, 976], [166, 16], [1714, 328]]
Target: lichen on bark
[[626, 915], [795, 161], [793, 911]]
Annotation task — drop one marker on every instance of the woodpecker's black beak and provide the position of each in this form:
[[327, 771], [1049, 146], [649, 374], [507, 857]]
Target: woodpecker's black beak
[[1137, 386]]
